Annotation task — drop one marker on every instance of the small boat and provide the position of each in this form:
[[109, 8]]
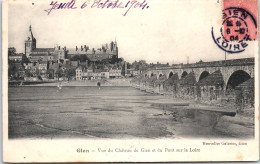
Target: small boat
[[150, 90], [21, 83]]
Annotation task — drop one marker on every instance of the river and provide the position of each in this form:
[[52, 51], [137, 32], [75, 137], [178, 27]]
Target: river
[[105, 112]]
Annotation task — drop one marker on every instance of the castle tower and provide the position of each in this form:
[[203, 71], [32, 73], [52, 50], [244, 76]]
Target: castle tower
[[125, 68], [115, 43], [115, 49], [30, 43]]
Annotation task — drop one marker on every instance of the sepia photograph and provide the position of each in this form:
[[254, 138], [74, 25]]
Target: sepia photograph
[[127, 76]]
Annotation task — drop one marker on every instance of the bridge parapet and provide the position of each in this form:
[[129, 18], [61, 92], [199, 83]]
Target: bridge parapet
[[221, 63]]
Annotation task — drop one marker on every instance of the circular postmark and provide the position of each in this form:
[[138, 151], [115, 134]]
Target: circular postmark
[[238, 27]]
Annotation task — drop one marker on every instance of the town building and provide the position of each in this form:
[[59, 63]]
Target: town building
[[97, 75], [43, 66], [35, 69], [128, 73], [16, 57], [136, 73], [105, 75], [132, 72], [32, 68], [85, 75], [28, 66]]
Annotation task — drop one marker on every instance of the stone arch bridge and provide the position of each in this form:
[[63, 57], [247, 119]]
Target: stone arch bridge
[[233, 71]]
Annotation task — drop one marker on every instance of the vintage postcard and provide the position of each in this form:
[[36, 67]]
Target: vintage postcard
[[130, 80]]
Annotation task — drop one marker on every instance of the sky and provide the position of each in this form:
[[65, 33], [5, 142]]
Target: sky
[[168, 31]]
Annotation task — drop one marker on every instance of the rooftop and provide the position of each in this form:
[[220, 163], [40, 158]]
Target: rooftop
[[43, 50], [40, 55]]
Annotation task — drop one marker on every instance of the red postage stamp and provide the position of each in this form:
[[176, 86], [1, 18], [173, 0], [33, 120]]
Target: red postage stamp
[[240, 20], [239, 25]]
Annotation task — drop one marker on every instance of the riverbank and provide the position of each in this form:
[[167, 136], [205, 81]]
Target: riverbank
[[103, 82], [25, 83], [226, 120]]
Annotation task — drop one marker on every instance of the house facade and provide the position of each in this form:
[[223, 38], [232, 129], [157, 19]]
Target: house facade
[[79, 73], [115, 73]]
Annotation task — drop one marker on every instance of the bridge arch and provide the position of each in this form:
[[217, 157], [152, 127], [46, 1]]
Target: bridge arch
[[170, 74], [184, 74], [203, 75], [237, 78]]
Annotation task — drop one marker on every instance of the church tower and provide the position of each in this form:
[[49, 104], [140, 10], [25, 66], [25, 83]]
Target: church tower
[[30, 43]]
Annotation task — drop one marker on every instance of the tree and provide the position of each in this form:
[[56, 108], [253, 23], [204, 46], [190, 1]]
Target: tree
[[103, 48], [39, 77], [59, 73], [25, 59], [141, 65], [75, 58], [50, 73], [135, 65], [69, 73], [28, 73], [11, 51], [128, 66], [114, 59], [12, 69], [120, 60], [83, 58]]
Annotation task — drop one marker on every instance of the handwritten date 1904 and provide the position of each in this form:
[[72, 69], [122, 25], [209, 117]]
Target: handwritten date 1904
[[102, 4]]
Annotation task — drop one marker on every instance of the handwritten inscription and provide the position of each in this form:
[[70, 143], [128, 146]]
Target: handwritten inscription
[[55, 6], [101, 4]]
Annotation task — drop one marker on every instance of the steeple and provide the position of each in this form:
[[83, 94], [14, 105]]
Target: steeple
[[30, 42], [31, 33]]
